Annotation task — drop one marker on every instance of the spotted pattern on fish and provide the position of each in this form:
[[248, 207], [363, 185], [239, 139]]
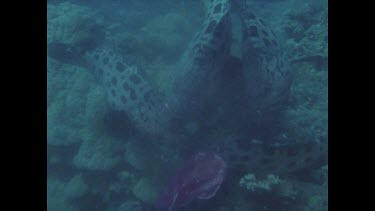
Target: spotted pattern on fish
[[128, 91]]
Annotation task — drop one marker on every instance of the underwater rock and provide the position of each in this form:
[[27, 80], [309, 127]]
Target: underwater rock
[[98, 153], [161, 40], [75, 105], [271, 184], [250, 182], [306, 31], [134, 158], [59, 193], [145, 190], [318, 201], [306, 119], [53, 159], [76, 187], [199, 178], [283, 159], [130, 206], [63, 52], [130, 46], [141, 156], [74, 26], [167, 35], [125, 181], [126, 177]]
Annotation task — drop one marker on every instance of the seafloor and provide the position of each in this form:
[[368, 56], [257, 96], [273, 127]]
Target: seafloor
[[97, 161]]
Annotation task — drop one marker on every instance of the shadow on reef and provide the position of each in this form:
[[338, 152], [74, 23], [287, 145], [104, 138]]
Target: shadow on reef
[[117, 124], [90, 202], [64, 52], [61, 169]]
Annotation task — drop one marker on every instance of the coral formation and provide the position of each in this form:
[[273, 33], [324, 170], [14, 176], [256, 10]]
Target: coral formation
[[167, 35], [307, 34], [73, 25], [76, 187], [130, 206], [134, 156], [250, 182], [158, 44], [145, 190], [98, 153], [72, 92], [317, 199], [59, 193], [307, 117], [306, 31]]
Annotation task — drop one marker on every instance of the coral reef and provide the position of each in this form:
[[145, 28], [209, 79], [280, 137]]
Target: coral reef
[[73, 26], [250, 182], [307, 34], [274, 193], [98, 153], [318, 199], [163, 37], [72, 92], [168, 35], [76, 187], [306, 31], [158, 44], [123, 183], [133, 155], [270, 184], [306, 118], [130, 206], [145, 190], [59, 193]]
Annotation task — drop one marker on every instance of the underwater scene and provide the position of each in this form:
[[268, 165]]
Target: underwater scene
[[187, 105]]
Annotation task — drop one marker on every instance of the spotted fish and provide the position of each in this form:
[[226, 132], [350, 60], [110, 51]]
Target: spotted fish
[[192, 81], [127, 90], [263, 73], [197, 79]]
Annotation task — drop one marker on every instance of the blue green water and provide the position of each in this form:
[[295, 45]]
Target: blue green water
[[107, 156]]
